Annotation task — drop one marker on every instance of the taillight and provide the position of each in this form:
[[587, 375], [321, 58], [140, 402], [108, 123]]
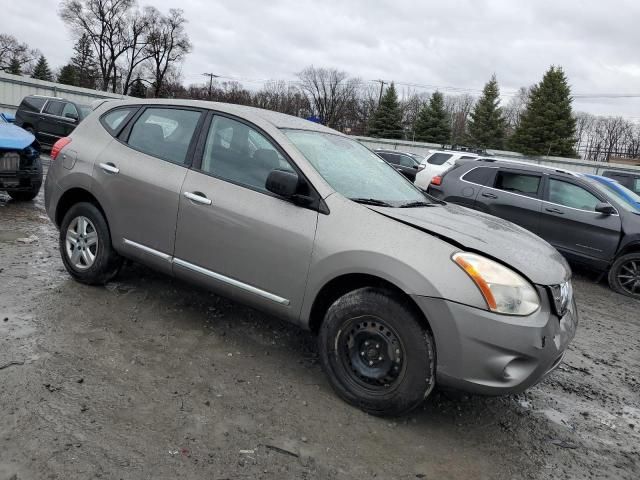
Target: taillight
[[59, 145], [437, 180]]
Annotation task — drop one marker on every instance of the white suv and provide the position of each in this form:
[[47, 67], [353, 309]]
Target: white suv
[[436, 162]]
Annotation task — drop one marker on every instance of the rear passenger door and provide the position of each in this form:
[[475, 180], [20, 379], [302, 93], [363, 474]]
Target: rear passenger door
[[570, 223], [139, 177], [235, 236], [514, 196]]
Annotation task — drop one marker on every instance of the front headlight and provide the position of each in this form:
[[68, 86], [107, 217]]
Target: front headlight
[[503, 289]]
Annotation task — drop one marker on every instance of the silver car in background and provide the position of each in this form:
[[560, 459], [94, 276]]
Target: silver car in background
[[304, 223]]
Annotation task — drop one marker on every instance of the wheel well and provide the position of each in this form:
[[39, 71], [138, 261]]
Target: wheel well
[[344, 284], [70, 198], [630, 248]]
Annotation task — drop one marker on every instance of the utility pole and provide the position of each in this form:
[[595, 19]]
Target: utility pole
[[382, 83], [211, 77]]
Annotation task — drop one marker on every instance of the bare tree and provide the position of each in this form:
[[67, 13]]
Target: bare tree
[[105, 23], [137, 26], [330, 92], [515, 108], [459, 107], [17, 53], [167, 43]]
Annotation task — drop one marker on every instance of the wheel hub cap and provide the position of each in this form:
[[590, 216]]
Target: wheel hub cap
[[81, 243]]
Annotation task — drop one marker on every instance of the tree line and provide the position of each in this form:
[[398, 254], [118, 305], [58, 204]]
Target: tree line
[[123, 48]]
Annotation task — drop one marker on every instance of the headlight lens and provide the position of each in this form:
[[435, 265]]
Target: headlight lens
[[503, 289]]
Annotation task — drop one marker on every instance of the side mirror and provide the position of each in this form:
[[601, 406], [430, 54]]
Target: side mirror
[[282, 183], [605, 208]]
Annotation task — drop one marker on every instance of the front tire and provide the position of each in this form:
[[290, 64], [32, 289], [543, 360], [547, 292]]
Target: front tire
[[85, 245], [624, 275], [376, 353]]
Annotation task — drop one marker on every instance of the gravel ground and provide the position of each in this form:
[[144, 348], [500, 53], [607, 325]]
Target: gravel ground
[[152, 378]]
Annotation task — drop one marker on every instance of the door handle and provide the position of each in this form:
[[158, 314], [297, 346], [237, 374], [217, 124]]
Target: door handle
[[109, 168], [555, 210], [197, 197], [489, 195]]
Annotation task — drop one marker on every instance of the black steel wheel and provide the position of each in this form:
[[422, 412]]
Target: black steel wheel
[[624, 275], [377, 352]]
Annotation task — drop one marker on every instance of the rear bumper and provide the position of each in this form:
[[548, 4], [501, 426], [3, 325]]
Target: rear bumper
[[20, 179], [490, 354]]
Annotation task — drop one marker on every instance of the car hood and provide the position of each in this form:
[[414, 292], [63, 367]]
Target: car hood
[[13, 137], [492, 236]]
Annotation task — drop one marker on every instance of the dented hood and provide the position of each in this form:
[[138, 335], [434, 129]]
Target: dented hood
[[13, 137], [492, 236]]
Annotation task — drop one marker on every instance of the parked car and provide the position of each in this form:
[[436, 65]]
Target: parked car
[[49, 118], [617, 189], [307, 224], [437, 162], [406, 164], [629, 179], [20, 166], [587, 219]]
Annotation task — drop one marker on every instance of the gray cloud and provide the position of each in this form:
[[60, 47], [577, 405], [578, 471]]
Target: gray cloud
[[456, 43]]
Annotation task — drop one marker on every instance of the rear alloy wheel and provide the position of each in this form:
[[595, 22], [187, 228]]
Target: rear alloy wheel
[[376, 352], [85, 245], [624, 275]]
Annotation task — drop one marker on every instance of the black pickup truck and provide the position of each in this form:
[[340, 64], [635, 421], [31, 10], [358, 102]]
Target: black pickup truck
[[20, 165]]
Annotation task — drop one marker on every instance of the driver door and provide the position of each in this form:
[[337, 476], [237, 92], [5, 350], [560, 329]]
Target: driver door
[[235, 236]]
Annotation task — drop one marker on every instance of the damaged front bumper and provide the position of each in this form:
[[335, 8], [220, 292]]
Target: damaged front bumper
[[486, 353]]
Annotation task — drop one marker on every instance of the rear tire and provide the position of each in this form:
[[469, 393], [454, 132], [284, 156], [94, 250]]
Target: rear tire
[[624, 275], [85, 245], [376, 352], [25, 195]]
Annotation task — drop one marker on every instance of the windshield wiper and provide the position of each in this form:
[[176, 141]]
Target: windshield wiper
[[419, 203], [371, 201]]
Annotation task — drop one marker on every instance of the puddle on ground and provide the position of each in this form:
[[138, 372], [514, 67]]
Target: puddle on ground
[[11, 235]]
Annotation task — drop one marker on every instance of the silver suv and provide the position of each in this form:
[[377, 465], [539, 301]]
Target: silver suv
[[302, 222]]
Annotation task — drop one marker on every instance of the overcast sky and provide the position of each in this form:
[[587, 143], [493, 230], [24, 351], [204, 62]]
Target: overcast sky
[[447, 43]]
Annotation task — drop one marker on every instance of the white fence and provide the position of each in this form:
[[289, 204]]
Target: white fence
[[583, 166], [13, 88]]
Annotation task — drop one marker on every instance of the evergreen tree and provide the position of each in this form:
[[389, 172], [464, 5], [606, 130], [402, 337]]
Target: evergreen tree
[[84, 62], [387, 119], [138, 89], [547, 126], [68, 75], [486, 123], [42, 71], [15, 67], [433, 123]]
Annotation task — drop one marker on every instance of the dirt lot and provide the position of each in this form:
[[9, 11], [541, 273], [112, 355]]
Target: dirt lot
[[151, 378]]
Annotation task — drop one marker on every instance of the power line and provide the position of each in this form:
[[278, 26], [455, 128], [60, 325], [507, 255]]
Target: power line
[[211, 77]]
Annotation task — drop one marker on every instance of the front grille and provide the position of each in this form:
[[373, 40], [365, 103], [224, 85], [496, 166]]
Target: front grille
[[10, 162]]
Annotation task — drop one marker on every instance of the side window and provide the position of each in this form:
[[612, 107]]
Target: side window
[[240, 154], [570, 195], [518, 183], [438, 158], [114, 119], [392, 158], [54, 107], [480, 175], [164, 133], [33, 104], [406, 161], [636, 185], [70, 111]]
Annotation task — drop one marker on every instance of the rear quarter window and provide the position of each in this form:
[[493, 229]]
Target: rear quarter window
[[480, 176], [114, 120], [32, 104], [438, 158]]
